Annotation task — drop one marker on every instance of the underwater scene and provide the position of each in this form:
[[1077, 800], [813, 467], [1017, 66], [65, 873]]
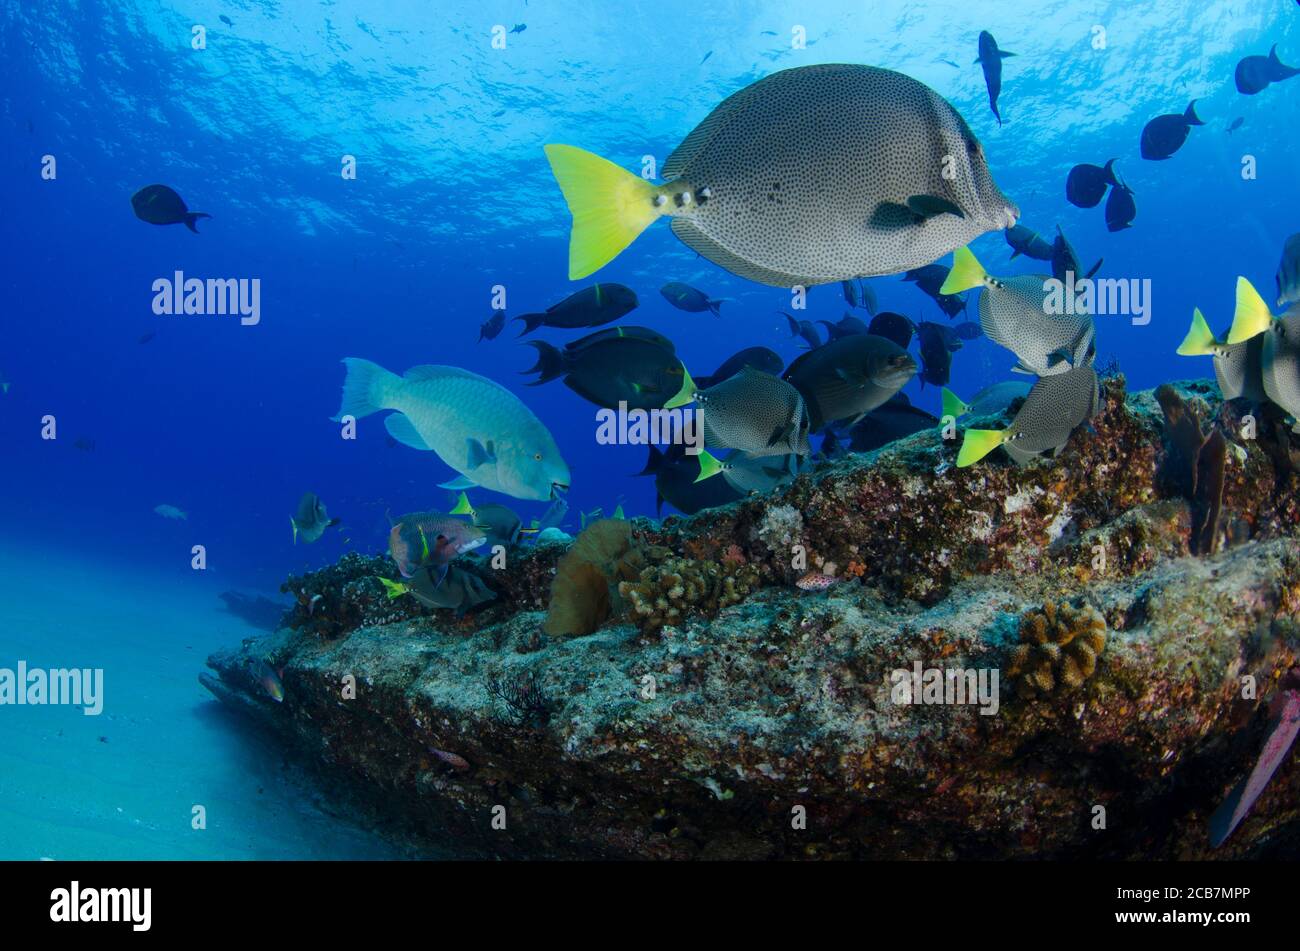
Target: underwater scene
[[590, 430]]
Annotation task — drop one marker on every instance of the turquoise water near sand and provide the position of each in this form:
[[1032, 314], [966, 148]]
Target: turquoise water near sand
[[167, 744]]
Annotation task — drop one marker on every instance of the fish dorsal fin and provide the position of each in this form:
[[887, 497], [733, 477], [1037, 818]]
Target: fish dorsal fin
[[479, 454], [681, 156], [431, 372], [690, 235], [403, 430]]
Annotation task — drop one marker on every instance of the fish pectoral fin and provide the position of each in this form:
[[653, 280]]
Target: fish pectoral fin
[[478, 454], [401, 428], [1059, 356], [925, 207], [1021, 368]]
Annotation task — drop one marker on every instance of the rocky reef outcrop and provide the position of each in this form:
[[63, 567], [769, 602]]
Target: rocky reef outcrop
[[721, 712]]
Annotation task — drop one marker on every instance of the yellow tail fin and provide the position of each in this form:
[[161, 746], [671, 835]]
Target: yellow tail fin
[[462, 506], [1252, 317], [395, 588], [977, 444], [966, 273], [709, 466], [610, 206], [952, 405], [1200, 340], [686, 394]]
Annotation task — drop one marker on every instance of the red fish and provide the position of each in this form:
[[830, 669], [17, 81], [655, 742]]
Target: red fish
[[815, 581], [1282, 730]]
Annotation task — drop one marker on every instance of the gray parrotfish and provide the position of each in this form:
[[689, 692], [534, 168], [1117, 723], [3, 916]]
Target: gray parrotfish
[[808, 176]]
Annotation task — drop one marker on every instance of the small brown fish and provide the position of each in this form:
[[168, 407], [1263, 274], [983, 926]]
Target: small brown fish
[[815, 581]]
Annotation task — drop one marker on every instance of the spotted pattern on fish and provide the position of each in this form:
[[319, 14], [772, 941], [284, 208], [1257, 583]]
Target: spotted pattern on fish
[[755, 412], [1054, 408], [1012, 314], [815, 581], [830, 172], [1280, 361], [1288, 273]]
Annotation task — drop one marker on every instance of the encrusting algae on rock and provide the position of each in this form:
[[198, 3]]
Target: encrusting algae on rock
[[1058, 649]]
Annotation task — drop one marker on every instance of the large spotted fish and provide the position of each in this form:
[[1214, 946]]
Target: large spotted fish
[[756, 413], [1279, 354], [1052, 411], [811, 175]]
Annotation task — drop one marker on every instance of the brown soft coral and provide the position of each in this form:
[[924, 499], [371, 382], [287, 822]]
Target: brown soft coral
[[1058, 649], [667, 592], [583, 594]]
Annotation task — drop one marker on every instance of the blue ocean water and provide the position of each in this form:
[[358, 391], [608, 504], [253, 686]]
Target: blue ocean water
[[452, 197]]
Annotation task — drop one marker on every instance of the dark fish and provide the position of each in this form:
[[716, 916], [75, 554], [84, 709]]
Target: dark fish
[[145, 338], [491, 327], [1236, 124], [1256, 73], [968, 330], [453, 588], [760, 358], [706, 57], [849, 377], [85, 445], [806, 330], [677, 482], [684, 297], [590, 307], [499, 523], [1086, 185], [1165, 135], [1288, 272], [519, 28], [868, 295], [893, 327], [929, 279], [1029, 243], [991, 59], [1121, 209], [160, 205], [1065, 260], [226, 20], [311, 519], [629, 365], [937, 343], [846, 326], [894, 420]]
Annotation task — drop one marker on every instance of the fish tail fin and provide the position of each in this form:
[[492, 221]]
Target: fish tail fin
[[531, 322], [1004, 54], [462, 506], [709, 466], [294, 522], [978, 443], [966, 273], [395, 589], [610, 206], [952, 405], [654, 463], [194, 216], [1252, 316], [1191, 116], [715, 306], [1111, 177], [366, 388], [686, 394], [549, 365], [1200, 339]]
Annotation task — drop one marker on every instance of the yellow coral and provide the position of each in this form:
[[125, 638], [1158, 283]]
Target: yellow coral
[[666, 592], [1058, 649]]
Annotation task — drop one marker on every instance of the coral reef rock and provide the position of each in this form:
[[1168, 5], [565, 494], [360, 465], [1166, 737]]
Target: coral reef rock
[[756, 720]]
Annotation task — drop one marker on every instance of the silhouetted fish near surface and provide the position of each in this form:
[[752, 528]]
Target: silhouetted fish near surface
[[929, 279], [1165, 135], [760, 187], [760, 358], [1086, 185], [1288, 272], [1121, 208], [226, 20], [1254, 74], [519, 28], [590, 307], [893, 327], [804, 329], [684, 297], [160, 205], [1025, 241], [491, 328], [991, 59], [1236, 124], [937, 343]]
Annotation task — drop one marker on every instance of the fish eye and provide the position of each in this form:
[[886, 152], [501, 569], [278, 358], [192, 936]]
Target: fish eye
[[537, 456], [973, 146]]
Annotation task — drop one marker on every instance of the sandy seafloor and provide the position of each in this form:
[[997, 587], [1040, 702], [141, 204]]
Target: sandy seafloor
[[167, 745]]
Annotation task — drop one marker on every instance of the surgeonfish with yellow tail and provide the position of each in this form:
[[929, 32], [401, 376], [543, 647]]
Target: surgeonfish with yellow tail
[[457, 589], [474, 425], [756, 413], [1279, 356], [311, 520], [988, 401], [811, 175], [1237, 366], [1054, 408], [501, 525], [1014, 313]]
